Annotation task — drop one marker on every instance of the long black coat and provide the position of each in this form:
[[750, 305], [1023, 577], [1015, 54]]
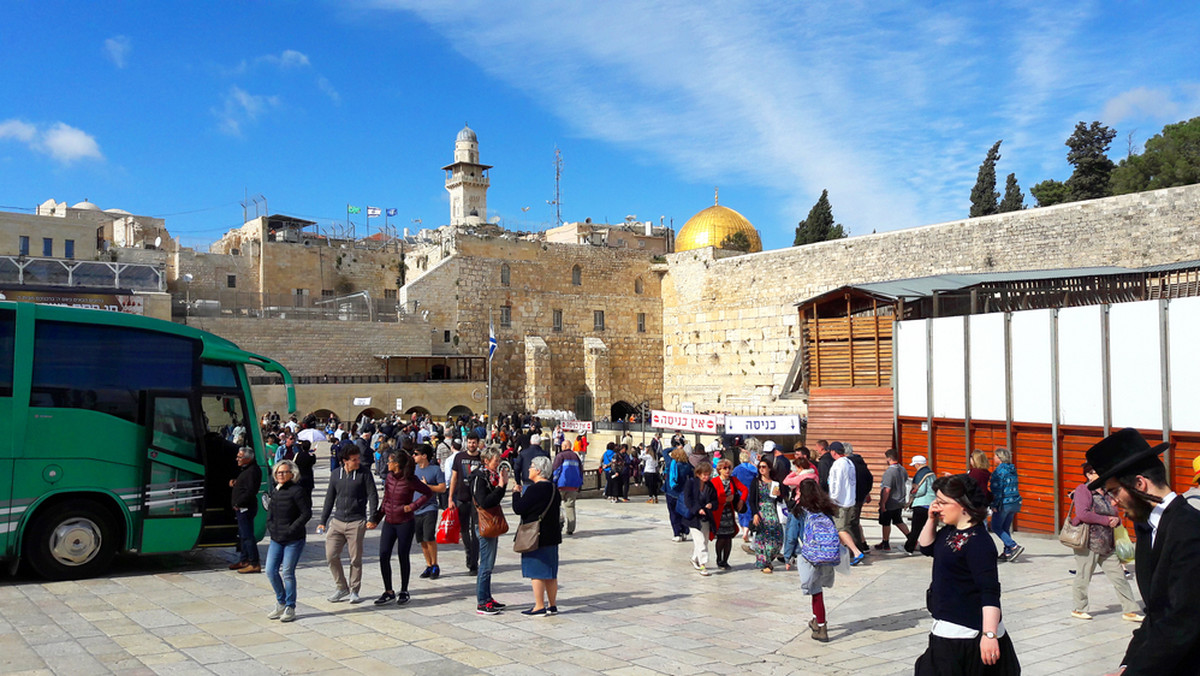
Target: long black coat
[[699, 495], [1168, 576]]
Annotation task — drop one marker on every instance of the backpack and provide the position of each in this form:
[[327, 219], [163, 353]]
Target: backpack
[[820, 538], [675, 478]]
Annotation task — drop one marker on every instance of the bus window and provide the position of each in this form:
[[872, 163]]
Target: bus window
[[8, 325], [219, 376], [106, 368], [174, 431], [225, 416]]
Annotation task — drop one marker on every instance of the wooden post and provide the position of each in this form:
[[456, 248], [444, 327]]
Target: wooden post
[[878, 359], [850, 335], [815, 375]]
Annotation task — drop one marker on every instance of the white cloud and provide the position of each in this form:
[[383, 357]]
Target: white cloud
[[118, 48], [61, 142], [16, 129], [289, 58], [240, 108], [1141, 103], [68, 144], [327, 87]]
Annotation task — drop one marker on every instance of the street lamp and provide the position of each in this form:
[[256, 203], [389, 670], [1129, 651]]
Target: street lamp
[[187, 286]]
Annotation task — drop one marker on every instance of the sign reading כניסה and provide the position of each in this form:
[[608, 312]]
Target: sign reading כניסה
[[762, 424]]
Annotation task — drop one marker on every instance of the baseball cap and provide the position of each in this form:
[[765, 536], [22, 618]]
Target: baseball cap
[[917, 460]]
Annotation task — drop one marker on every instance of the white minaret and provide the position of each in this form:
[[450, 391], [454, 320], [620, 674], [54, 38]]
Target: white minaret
[[467, 181]]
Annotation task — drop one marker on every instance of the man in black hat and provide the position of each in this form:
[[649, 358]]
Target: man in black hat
[[1168, 554]]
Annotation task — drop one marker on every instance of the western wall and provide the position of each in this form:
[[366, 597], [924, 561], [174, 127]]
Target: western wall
[[731, 331]]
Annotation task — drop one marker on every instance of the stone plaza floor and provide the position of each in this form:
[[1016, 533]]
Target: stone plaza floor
[[630, 604]]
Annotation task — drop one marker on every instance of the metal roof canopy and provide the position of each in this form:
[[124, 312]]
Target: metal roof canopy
[[957, 294]]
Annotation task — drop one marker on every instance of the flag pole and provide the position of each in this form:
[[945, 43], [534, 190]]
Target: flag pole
[[491, 329]]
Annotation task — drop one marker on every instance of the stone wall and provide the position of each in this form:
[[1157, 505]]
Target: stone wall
[[316, 348], [461, 291], [730, 326], [58, 230], [437, 398]]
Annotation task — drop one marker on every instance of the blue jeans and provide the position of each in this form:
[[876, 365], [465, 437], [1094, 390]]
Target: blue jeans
[[281, 570], [487, 560], [791, 533], [247, 545], [1002, 520]]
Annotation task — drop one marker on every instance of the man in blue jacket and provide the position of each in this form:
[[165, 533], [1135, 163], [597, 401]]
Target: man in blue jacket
[[568, 476]]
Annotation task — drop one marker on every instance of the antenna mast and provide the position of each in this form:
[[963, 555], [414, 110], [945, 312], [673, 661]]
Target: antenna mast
[[557, 201]]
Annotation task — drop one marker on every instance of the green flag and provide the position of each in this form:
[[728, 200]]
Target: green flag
[[353, 210]]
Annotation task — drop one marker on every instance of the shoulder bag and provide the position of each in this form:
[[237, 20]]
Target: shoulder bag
[[492, 523], [1075, 537], [528, 534]]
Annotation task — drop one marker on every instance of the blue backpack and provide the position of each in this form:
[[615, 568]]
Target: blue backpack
[[820, 538]]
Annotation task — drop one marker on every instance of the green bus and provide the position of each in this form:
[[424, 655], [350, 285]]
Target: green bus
[[117, 437]]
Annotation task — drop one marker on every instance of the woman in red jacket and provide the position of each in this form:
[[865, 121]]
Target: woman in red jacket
[[396, 523], [731, 499]]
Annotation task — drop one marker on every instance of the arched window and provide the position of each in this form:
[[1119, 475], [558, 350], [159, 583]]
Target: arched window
[[505, 275], [637, 286], [577, 276]]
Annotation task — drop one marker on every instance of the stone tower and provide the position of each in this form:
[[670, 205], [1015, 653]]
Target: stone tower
[[467, 181]]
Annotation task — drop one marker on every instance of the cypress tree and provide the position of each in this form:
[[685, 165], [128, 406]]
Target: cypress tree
[[984, 196]]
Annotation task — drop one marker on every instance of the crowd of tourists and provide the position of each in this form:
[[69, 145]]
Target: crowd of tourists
[[801, 512]]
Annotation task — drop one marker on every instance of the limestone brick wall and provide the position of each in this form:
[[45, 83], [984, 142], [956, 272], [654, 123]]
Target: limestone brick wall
[[730, 326], [13, 226], [461, 292], [437, 398], [290, 265], [316, 348], [210, 274]]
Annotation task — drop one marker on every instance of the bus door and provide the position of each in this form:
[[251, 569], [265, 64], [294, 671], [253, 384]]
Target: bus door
[[173, 492], [10, 514]]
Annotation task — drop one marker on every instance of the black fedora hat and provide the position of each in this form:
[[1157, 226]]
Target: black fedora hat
[[1122, 453]]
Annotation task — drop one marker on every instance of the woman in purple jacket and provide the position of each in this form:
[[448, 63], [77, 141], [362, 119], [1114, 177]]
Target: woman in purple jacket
[[1097, 510], [396, 522]]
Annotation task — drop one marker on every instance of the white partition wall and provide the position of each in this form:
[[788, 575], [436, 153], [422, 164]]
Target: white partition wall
[[1135, 365], [912, 392], [1031, 366], [949, 378], [1183, 321], [1081, 366], [987, 367]]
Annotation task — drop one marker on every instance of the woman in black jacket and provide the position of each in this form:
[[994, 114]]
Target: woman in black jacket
[[287, 518], [699, 499], [487, 491], [540, 501]]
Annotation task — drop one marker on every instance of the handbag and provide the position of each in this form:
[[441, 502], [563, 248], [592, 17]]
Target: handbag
[[1073, 536], [529, 534], [492, 523], [448, 528]]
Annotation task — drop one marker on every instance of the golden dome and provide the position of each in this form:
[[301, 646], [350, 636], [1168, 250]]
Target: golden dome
[[711, 226]]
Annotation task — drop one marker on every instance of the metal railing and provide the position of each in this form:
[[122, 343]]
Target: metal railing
[[365, 379], [26, 271], [249, 305]]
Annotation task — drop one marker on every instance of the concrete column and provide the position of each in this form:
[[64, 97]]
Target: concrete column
[[597, 374], [538, 376]]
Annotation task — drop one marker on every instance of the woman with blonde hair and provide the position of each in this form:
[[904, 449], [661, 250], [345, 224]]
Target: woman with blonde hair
[[678, 472], [287, 518], [981, 473]]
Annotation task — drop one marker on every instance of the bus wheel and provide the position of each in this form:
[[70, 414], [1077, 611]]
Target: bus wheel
[[71, 541]]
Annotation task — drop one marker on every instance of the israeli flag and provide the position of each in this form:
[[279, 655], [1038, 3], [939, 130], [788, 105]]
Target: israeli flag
[[374, 212], [491, 340]]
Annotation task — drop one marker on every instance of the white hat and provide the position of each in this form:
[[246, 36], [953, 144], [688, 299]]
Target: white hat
[[768, 447], [917, 460]]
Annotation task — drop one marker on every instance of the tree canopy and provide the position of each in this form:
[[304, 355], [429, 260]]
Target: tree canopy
[[984, 196], [1050, 192], [1171, 158], [736, 241], [819, 226], [1014, 199], [1089, 147]]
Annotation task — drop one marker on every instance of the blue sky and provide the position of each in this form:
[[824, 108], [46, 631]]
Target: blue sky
[[180, 109]]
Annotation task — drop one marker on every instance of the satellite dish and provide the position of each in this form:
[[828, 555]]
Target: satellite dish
[[157, 242]]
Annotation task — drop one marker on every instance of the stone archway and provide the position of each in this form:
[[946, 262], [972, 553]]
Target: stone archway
[[321, 415], [459, 410], [621, 410], [370, 412], [419, 410]]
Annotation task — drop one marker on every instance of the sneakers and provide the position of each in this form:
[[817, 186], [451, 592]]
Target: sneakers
[[883, 547], [499, 605], [1004, 558], [1016, 551], [488, 608], [435, 573], [385, 597], [677, 538], [289, 614], [355, 598], [551, 610], [339, 595], [1080, 615], [277, 613], [532, 611], [246, 570], [1133, 617], [695, 563], [426, 573], [704, 571], [858, 559], [402, 598]]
